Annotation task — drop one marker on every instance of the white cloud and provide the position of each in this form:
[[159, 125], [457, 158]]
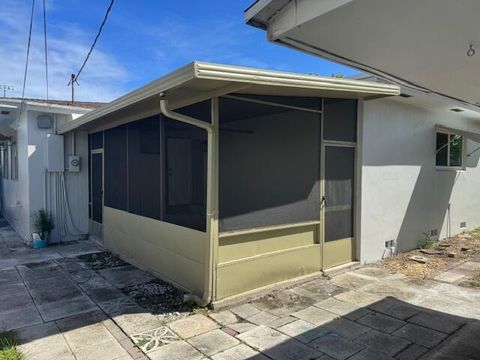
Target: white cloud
[[102, 79]]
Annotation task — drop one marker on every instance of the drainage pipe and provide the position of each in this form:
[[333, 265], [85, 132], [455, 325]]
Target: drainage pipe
[[211, 191]]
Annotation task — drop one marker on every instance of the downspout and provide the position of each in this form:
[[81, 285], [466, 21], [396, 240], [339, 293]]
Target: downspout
[[207, 297]]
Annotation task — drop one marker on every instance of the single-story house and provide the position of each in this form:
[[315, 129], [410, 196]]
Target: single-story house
[[36, 173], [223, 179]]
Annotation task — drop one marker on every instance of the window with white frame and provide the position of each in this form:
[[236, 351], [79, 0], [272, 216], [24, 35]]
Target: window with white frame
[[449, 150]]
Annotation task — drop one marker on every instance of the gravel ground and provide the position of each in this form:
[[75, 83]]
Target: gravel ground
[[103, 260]]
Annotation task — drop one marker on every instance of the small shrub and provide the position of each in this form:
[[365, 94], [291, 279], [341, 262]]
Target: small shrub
[[428, 241], [43, 223]]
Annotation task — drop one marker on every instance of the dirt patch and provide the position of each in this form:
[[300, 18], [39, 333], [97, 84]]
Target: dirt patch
[[103, 260], [440, 255], [162, 299]]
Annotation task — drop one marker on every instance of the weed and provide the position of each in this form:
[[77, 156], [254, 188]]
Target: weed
[[428, 241], [8, 346]]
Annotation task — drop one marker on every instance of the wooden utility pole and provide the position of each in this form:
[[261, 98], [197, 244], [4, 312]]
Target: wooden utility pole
[[73, 81]]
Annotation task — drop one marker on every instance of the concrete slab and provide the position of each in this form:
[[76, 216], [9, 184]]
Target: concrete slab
[[192, 326], [245, 310], [134, 323], [411, 352], [262, 318], [224, 317], [438, 321], [346, 328], [262, 338], [108, 350], [336, 346], [291, 350], [14, 302], [213, 342], [239, 352], [152, 340], [384, 323], [55, 294], [179, 350], [359, 298], [383, 342], [19, 318], [282, 303], [242, 326], [336, 306], [60, 309], [303, 331], [395, 308], [315, 315], [8, 277], [370, 354], [420, 335]]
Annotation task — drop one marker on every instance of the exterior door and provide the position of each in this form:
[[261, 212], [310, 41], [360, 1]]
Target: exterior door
[[338, 204]]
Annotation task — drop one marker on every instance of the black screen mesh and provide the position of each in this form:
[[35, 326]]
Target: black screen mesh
[[269, 166], [115, 152], [340, 120]]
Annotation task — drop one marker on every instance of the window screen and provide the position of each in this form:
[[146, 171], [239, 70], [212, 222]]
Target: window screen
[[115, 152], [96, 141], [340, 120], [144, 167], [269, 165], [449, 150], [185, 175]]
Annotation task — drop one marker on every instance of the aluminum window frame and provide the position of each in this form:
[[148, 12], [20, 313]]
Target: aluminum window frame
[[462, 167]]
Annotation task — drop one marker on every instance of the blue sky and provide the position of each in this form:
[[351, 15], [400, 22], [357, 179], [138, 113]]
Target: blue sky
[[142, 41]]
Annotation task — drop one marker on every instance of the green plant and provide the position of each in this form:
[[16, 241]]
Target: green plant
[[428, 241], [43, 223], [8, 346]]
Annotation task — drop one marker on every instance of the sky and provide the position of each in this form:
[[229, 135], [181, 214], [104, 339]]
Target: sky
[[142, 40]]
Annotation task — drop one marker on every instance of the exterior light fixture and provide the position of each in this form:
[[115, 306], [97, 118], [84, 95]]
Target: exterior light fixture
[[471, 51]]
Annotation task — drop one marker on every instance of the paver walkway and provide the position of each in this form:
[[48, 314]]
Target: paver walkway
[[63, 310]]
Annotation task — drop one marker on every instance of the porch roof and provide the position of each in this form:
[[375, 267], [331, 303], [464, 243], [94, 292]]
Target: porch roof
[[199, 81]]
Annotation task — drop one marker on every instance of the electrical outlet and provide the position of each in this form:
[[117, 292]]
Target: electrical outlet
[[463, 224]]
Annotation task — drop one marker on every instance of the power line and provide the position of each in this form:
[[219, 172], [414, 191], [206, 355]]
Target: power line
[[45, 42], [94, 41], [28, 54]]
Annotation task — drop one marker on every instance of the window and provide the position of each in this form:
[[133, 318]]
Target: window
[[449, 150]]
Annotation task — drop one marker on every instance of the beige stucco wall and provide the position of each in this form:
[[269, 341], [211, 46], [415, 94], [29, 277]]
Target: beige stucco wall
[[170, 252]]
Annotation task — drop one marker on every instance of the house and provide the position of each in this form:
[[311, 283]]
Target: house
[[223, 180], [33, 166]]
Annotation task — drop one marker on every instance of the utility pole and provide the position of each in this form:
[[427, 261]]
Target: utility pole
[[6, 88], [73, 81]]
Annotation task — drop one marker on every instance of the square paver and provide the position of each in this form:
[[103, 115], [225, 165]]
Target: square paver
[[152, 340], [303, 331], [239, 352], [336, 346], [395, 308], [224, 317], [382, 342], [245, 310], [369, 354], [242, 326], [336, 306], [262, 318], [284, 302], [48, 295], [381, 322], [19, 318], [10, 277], [411, 352], [346, 328], [213, 342], [67, 307], [80, 337], [262, 338], [108, 350], [124, 276], [192, 326], [291, 350], [358, 298], [137, 322], [420, 335], [281, 321], [315, 315], [437, 321], [14, 302], [179, 350]]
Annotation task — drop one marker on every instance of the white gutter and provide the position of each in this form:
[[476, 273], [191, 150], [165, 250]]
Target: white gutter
[[207, 295]]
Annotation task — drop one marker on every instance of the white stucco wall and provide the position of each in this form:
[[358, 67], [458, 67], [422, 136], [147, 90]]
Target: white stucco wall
[[23, 197], [403, 194]]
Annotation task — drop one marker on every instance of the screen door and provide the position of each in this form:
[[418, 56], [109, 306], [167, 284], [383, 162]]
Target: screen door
[[97, 186], [339, 186]]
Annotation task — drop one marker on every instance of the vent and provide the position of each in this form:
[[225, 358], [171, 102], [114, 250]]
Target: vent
[[405, 95], [457, 110], [463, 224], [5, 112]]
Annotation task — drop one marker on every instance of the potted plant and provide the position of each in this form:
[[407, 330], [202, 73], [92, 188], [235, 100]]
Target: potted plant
[[43, 224]]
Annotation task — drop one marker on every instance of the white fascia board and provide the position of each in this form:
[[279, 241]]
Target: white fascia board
[[292, 80]]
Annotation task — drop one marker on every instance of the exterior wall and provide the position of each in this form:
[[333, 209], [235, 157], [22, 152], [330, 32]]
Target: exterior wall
[[15, 207], [173, 253], [251, 260], [403, 194]]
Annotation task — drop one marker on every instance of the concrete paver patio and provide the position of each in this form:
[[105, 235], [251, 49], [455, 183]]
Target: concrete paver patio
[[61, 309]]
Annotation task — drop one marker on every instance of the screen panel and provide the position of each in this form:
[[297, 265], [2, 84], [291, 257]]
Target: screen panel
[[144, 167], [269, 167], [339, 190], [97, 188], [185, 175], [340, 120], [115, 152]]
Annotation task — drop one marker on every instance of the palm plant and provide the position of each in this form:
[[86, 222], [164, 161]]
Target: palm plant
[[43, 223]]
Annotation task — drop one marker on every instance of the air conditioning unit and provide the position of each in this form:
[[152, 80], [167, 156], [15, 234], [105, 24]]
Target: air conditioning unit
[[74, 163]]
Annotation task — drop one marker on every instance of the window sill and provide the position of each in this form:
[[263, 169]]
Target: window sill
[[447, 168]]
